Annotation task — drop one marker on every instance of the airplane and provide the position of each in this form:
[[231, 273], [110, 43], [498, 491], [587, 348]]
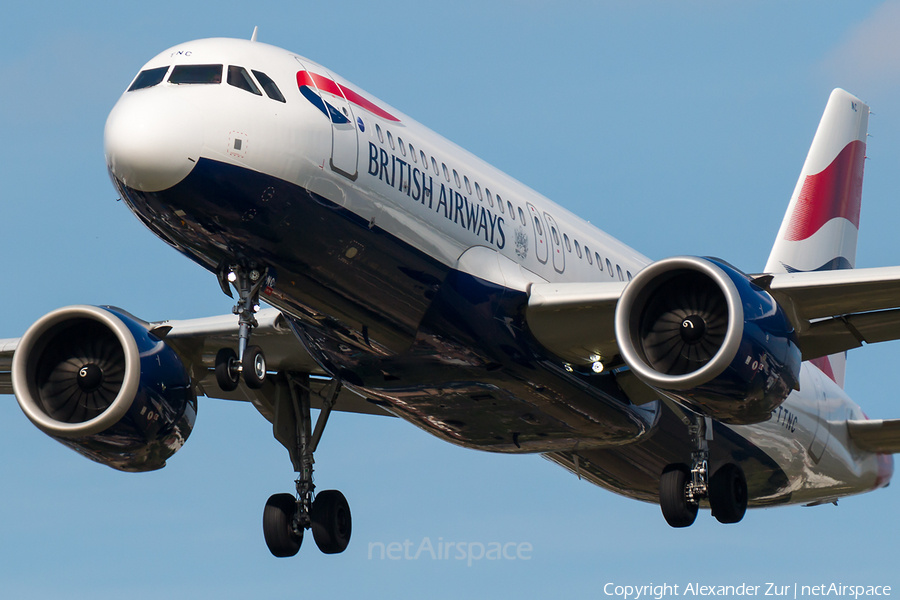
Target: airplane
[[408, 278]]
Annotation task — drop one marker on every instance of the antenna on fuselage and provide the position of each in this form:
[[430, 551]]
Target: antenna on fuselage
[[253, 37]]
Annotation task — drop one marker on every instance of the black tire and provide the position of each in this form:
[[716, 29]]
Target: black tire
[[226, 375], [728, 494], [278, 529], [331, 523], [672, 499], [254, 367]]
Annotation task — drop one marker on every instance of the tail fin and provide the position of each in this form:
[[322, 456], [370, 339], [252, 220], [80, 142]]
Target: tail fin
[[821, 225]]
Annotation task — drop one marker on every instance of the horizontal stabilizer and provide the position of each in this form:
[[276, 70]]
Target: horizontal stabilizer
[[881, 436]]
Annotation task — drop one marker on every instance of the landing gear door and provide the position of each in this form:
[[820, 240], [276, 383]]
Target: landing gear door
[[344, 141]]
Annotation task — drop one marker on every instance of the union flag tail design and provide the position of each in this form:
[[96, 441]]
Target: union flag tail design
[[821, 225]]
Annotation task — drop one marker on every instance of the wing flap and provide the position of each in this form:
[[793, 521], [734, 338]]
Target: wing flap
[[881, 436], [845, 332]]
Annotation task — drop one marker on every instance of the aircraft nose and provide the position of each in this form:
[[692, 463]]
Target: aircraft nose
[[152, 139]]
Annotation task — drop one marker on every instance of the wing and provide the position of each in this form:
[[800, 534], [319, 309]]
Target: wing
[[882, 436], [575, 321], [832, 311], [198, 340], [7, 349]]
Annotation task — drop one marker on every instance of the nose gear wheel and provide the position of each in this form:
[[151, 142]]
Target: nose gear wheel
[[249, 362]]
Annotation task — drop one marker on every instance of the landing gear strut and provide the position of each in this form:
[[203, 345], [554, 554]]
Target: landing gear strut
[[249, 362], [681, 488], [327, 513]]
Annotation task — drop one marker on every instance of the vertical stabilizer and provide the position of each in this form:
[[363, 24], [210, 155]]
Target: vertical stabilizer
[[821, 225]]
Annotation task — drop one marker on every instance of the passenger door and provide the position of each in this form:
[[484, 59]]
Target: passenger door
[[540, 239], [344, 140], [556, 244]]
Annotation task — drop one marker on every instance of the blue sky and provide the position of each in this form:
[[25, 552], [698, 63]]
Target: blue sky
[[680, 128]]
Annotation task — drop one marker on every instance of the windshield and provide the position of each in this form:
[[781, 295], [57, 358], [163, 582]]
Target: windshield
[[196, 74], [148, 78]]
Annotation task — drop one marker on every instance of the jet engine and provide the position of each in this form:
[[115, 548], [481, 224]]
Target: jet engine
[[701, 333], [96, 380]]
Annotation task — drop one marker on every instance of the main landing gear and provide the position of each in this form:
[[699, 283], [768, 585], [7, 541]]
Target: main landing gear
[[249, 362], [681, 488], [327, 513]]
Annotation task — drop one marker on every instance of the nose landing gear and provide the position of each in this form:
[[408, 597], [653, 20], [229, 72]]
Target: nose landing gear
[[249, 362]]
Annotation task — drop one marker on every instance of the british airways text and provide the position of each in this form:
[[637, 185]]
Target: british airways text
[[400, 174]]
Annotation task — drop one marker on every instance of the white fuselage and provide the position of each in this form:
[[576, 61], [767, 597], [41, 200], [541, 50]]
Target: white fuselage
[[472, 217]]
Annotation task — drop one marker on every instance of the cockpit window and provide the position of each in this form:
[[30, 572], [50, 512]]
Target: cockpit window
[[148, 78], [266, 82], [196, 74], [240, 78]]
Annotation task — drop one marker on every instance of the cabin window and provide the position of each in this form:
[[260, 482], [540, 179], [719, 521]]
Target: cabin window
[[489, 197], [512, 215], [468, 185], [537, 226], [587, 255], [210, 74], [446, 172], [478, 191], [240, 78], [500, 203], [391, 140], [628, 274], [577, 249], [609, 268], [434, 166], [599, 261], [269, 86], [555, 235], [424, 160], [402, 146], [568, 245], [412, 153], [378, 131], [148, 78], [456, 179], [619, 271], [521, 216]]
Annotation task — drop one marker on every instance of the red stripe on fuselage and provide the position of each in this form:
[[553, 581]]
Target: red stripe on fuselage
[[327, 85], [834, 192]]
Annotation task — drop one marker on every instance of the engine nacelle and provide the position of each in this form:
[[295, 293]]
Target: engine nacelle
[[96, 380], [700, 332]]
